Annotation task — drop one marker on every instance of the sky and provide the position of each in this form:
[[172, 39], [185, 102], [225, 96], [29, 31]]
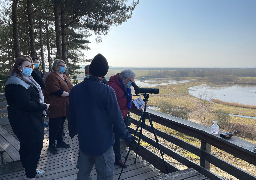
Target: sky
[[183, 33]]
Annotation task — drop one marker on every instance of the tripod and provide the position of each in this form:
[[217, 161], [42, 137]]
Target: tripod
[[145, 115]]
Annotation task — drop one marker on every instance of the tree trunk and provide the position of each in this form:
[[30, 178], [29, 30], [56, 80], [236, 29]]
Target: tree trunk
[[31, 29], [58, 30], [42, 46], [64, 39], [48, 46], [16, 41]]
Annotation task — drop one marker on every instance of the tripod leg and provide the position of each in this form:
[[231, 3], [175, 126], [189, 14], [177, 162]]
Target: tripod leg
[[126, 157], [141, 126], [157, 142]]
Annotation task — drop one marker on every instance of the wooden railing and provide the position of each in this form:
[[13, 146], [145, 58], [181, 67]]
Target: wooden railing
[[234, 146]]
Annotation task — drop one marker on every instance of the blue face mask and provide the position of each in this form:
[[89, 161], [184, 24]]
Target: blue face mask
[[36, 65], [129, 84], [62, 70], [86, 75], [27, 71]]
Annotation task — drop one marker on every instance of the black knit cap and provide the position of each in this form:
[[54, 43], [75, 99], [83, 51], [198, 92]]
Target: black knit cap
[[98, 66]]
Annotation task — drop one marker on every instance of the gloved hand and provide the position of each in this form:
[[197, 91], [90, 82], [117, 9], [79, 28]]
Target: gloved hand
[[129, 138]]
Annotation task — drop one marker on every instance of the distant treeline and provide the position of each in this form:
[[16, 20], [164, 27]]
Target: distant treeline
[[218, 75], [203, 72]]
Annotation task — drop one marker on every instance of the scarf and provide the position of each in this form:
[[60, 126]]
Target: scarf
[[128, 94], [30, 80], [26, 81]]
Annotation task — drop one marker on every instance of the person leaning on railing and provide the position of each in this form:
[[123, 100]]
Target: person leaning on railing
[[57, 88], [121, 83], [25, 107]]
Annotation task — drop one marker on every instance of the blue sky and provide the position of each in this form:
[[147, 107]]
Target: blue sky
[[183, 33]]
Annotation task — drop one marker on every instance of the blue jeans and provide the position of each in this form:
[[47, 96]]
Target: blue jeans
[[104, 165]]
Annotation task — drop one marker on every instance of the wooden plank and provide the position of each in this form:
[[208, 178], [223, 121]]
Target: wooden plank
[[206, 147], [146, 175], [14, 142], [4, 121], [2, 96], [7, 158], [9, 149], [3, 103], [225, 166], [3, 111]]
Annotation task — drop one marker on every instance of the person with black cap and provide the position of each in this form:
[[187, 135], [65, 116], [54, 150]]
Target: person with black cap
[[92, 114]]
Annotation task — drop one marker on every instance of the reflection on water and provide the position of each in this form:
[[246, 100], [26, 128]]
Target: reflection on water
[[150, 83], [242, 116], [234, 94]]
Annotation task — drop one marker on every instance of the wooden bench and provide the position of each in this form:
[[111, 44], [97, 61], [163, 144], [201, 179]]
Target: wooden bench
[[9, 146], [9, 151]]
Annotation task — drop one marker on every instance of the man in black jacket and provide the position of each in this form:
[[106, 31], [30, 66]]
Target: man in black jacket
[[37, 74], [38, 77], [92, 114]]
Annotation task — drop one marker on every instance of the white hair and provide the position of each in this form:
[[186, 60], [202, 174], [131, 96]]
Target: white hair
[[127, 74]]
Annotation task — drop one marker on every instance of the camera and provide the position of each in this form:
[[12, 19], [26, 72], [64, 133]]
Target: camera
[[144, 90]]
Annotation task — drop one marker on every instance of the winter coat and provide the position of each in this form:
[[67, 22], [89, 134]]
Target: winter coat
[[24, 110], [93, 113], [38, 77], [58, 103], [120, 95]]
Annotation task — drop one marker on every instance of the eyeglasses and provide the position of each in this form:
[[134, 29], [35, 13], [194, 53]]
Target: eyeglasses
[[129, 80]]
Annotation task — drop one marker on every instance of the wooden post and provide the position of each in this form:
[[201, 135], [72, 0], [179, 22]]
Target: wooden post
[[207, 147]]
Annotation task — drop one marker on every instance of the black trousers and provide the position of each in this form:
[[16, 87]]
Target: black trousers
[[29, 157], [116, 148], [56, 129]]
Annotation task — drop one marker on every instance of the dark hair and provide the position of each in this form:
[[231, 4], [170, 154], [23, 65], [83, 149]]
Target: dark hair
[[34, 59], [27, 56], [17, 64]]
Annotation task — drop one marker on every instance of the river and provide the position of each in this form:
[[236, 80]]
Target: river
[[234, 94]]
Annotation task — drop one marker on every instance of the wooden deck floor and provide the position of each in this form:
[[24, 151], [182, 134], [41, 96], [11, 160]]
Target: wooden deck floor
[[63, 165]]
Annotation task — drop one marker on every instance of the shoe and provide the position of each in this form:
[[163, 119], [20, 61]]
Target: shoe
[[45, 124], [39, 172], [63, 145], [53, 149], [120, 163]]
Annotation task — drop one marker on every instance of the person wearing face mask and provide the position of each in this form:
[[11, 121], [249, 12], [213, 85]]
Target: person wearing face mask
[[121, 83], [37, 74], [25, 107], [38, 77], [57, 88]]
